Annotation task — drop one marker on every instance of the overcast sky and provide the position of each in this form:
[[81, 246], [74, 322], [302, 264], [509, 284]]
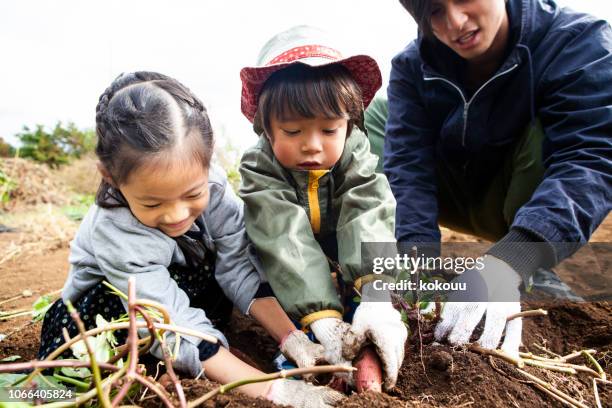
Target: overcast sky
[[59, 56]]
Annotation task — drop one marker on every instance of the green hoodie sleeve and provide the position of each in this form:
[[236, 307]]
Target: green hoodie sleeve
[[375, 119], [366, 206], [279, 227]]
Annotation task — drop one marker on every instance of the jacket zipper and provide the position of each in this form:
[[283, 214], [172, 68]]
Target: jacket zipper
[[466, 103]]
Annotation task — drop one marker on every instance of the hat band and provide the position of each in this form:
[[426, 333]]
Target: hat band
[[306, 51]]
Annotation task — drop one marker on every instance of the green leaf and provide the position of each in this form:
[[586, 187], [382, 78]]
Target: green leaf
[[76, 372], [110, 335], [15, 404], [6, 380], [40, 307], [10, 358]]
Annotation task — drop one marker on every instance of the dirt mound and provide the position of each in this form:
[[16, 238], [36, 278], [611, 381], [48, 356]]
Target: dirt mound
[[443, 376], [29, 183], [449, 377]]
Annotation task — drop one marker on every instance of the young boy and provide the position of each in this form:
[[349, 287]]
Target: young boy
[[311, 193]]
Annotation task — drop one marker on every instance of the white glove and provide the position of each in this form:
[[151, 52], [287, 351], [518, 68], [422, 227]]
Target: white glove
[[331, 333], [300, 394], [381, 324], [298, 347], [459, 319]]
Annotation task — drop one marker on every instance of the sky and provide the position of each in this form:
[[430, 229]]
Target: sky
[[59, 56]]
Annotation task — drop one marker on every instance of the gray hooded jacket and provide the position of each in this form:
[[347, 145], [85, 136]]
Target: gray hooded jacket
[[111, 244]]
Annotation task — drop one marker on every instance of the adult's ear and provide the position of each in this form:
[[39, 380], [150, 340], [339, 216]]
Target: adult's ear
[[106, 176]]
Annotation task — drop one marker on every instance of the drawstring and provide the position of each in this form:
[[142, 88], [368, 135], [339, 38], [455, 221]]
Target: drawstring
[[531, 82]]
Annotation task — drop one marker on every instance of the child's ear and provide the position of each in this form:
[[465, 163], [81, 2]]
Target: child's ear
[[106, 176]]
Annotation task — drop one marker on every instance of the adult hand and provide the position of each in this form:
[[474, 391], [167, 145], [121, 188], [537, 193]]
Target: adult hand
[[498, 283], [297, 346], [381, 324], [300, 394]]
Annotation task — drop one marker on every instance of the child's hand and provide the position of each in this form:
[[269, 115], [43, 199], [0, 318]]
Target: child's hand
[[300, 394], [297, 346], [331, 333], [381, 324]]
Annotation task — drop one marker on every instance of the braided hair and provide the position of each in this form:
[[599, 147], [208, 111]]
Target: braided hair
[[142, 116]]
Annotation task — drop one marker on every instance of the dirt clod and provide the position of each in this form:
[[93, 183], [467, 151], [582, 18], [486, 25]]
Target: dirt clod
[[440, 360]]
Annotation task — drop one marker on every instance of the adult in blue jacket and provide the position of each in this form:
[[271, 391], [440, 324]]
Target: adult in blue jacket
[[499, 125]]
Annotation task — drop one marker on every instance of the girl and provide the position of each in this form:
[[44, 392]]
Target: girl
[[312, 195], [166, 216]]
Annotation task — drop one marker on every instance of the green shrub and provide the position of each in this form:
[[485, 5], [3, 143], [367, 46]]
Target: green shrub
[[6, 186], [6, 150], [58, 147]]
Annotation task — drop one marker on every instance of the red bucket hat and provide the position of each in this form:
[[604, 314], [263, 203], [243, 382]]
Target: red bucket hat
[[310, 46]]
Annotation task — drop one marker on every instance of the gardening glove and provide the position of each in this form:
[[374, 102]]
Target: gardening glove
[[380, 323], [496, 282], [332, 333], [297, 346], [300, 394]]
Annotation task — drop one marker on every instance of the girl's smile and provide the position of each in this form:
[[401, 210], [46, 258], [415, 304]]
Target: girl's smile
[[167, 196]]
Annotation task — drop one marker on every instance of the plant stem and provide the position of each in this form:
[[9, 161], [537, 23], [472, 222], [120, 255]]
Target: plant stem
[[549, 387], [11, 299], [497, 353], [118, 326], [73, 381], [153, 386], [267, 377], [7, 368], [15, 314], [547, 351], [115, 290], [576, 354], [89, 394], [528, 313], [167, 360], [595, 364], [553, 395], [551, 367], [155, 305], [132, 346], [95, 369], [596, 394]]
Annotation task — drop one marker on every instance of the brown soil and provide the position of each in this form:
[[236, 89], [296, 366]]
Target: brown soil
[[431, 376]]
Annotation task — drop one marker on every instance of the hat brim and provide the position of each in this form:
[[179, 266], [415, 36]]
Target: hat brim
[[363, 69]]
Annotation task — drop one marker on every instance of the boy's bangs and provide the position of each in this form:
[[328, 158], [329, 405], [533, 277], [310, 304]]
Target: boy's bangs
[[306, 99]]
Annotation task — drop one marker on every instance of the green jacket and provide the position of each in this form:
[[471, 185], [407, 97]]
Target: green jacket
[[287, 210]]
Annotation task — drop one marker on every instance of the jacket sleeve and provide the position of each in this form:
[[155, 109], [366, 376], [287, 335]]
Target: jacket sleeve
[[127, 250], [375, 118], [236, 267], [409, 157], [366, 207], [576, 113], [293, 261]]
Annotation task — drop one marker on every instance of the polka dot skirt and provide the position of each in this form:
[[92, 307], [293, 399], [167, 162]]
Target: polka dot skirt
[[198, 283]]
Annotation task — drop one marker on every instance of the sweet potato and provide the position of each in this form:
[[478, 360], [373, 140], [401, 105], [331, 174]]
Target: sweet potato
[[368, 376]]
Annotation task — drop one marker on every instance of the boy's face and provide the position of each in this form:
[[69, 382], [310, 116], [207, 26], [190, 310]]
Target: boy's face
[[471, 28], [170, 199], [308, 143]]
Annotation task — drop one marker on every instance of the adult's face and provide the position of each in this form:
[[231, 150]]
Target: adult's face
[[473, 29]]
